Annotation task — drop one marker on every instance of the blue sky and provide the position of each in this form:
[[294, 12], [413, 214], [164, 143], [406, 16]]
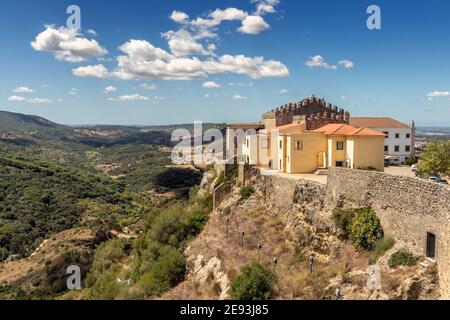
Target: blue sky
[[223, 61]]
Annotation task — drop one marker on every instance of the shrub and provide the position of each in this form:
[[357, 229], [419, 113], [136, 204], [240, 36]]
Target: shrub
[[402, 258], [3, 254], [410, 161], [380, 248], [255, 282], [365, 229], [168, 271], [246, 191], [226, 211], [170, 227], [343, 218]]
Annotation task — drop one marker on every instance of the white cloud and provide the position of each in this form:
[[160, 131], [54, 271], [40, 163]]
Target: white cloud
[[92, 32], [73, 91], [110, 89], [33, 100], [16, 99], [284, 91], [240, 84], [239, 97], [158, 99], [40, 100], [343, 97], [147, 86], [206, 96], [133, 97], [253, 25], [265, 6], [23, 90], [93, 71], [319, 62], [435, 94], [144, 61], [179, 17], [67, 44], [211, 85], [347, 64], [182, 43]]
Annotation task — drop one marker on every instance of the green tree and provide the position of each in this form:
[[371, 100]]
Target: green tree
[[436, 158], [168, 271], [365, 229], [255, 282]]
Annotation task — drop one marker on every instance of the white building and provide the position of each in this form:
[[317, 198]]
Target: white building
[[400, 137]]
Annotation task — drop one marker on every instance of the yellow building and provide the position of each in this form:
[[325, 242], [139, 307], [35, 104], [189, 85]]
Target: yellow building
[[298, 150], [305, 137]]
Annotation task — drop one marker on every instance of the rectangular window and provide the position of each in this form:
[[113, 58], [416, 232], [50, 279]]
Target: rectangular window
[[339, 145], [386, 148], [386, 133], [408, 136], [281, 144], [340, 164], [407, 148], [299, 145], [397, 135], [397, 149]]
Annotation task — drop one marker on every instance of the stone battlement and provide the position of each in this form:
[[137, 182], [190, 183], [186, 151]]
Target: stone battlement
[[317, 112]]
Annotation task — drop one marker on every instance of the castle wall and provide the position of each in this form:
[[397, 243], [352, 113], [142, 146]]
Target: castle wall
[[317, 113], [408, 208]]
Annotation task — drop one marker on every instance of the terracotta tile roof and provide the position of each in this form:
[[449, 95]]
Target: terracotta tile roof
[[377, 122], [335, 129]]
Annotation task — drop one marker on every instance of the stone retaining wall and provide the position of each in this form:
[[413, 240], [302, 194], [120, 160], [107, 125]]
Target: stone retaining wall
[[408, 208]]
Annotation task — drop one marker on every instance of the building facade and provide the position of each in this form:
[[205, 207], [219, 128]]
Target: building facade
[[399, 137], [305, 137]]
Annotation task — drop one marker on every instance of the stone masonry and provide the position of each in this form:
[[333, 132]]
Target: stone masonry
[[316, 113], [408, 208]]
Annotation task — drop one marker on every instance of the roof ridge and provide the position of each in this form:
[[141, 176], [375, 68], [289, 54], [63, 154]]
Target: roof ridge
[[338, 128]]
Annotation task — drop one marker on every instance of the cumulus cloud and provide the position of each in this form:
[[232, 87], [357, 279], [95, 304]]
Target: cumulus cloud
[[110, 89], [347, 64], [16, 99], [284, 91], [435, 94], [239, 97], [92, 71], [179, 17], [144, 61], [23, 90], [319, 62], [182, 43], [211, 85], [265, 6], [253, 25], [67, 44]]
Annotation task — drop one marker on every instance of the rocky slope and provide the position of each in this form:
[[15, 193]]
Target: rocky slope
[[291, 227]]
